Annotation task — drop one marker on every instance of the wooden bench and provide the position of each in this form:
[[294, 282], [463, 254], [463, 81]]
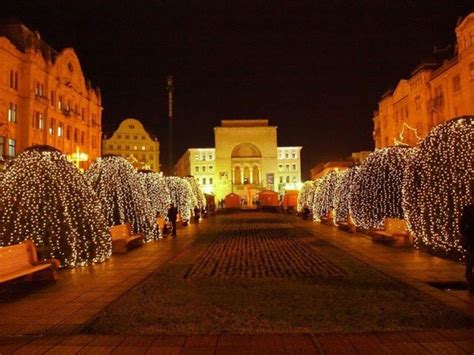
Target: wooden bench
[[123, 239], [21, 260]]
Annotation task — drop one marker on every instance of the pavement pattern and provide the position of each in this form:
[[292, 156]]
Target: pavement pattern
[[49, 319]]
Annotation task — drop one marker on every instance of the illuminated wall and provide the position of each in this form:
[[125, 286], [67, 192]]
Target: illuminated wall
[[45, 100], [133, 142], [436, 92]]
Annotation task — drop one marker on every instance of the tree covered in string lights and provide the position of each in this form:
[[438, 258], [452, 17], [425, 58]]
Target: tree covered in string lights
[[342, 196], [323, 202], [45, 198], [376, 191], [157, 190], [182, 196], [197, 192], [306, 196], [437, 185], [122, 195]]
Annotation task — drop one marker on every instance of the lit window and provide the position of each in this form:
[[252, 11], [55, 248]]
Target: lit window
[[12, 109], [11, 147], [51, 127], [143, 147], [196, 157], [39, 120], [60, 129], [135, 147]]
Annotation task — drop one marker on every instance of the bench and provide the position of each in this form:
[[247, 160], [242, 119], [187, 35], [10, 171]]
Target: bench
[[123, 239], [21, 260]]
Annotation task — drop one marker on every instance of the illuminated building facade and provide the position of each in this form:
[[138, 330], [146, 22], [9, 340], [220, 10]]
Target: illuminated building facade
[[245, 161], [134, 143], [322, 169], [438, 90], [45, 98]]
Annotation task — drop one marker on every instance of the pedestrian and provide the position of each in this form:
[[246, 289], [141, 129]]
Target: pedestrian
[[467, 232], [172, 217], [196, 214], [160, 220]]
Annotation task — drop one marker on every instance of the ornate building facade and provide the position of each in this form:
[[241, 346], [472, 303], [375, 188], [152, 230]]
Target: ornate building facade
[[438, 90], [245, 161], [134, 143], [45, 98]]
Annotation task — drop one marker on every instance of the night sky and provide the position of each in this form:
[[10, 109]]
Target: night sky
[[316, 69]]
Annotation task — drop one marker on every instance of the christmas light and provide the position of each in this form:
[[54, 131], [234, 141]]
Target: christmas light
[[122, 195], [342, 196], [182, 196], [157, 191], [306, 196], [438, 184], [197, 192], [45, 198], [376, 191], [323, 203]]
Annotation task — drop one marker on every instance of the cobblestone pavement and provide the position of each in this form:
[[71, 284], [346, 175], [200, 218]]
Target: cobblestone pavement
[[47, 319]]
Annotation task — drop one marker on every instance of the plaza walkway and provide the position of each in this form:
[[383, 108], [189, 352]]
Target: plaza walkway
[[48, 319]]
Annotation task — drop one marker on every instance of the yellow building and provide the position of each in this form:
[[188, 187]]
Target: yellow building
[[45, 98], [438, 90], [134, 143], [245, 161]]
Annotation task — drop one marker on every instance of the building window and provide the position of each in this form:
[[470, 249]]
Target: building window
[[294, 179], [438, 100], [211, 157], [39, 89], [293, 155], [111, 146], [76, 135], [51, 98], [287, 167], [293, 167], [119, 147], [135, 137], [204, 181], [196, 169], [211, 181], [203, 168], [39, 120], [119, 136], [11, 147], [456, 83], [60, 103], [135, 147], [60, 129], [471, 70], [281, 179], [13, 79], [151, 156], [196, 157], [280, 167], [211, 168], [127, 147], [143, 147], [287, 179], [12, 109], [286, 156], [280, 155], [68, 133], [143, 137], [2, 146], [127, 137], [82, 138], [51, 127]]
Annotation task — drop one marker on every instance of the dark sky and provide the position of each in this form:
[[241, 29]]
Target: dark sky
[[316, 69]]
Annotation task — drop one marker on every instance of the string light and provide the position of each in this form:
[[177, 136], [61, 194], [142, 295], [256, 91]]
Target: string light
[[323, 203], [122, 195], [376, 191], [157, 191], [45, 198], [306, 196], [182, 196], [197, 192], [342, 195], [437, 185]]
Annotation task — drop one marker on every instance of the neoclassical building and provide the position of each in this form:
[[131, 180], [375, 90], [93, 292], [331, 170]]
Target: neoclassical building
[[438, 89], [45, 98], [245, 159], [134, 143]]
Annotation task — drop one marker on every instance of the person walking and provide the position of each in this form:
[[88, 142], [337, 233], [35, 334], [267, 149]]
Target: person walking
[[172, 217], [467, 232]]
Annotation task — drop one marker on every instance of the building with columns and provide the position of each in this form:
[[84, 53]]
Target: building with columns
[[245, 160], [45, 98], [439, 88]]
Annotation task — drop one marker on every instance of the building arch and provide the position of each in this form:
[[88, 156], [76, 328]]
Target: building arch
[[246, 150]]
